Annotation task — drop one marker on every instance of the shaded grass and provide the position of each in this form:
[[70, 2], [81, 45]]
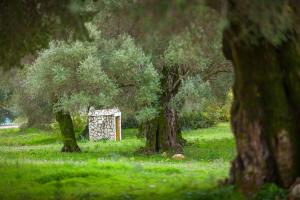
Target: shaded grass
[[32, 167]]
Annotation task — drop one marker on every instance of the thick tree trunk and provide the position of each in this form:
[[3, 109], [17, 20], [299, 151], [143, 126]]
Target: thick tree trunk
[[164, 132], [67, 130], [266, 110]]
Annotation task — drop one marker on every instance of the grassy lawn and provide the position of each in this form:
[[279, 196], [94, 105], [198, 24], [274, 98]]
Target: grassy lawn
[[31, 167]]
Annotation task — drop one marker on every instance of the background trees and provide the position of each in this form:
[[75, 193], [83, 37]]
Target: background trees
[[181, 41], [73, 76], [184, 40], [69, 76], [167, 24]]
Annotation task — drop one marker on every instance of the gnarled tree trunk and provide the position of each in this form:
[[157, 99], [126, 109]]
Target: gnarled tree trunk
[[67, 130], [266, 109], [164, 132]]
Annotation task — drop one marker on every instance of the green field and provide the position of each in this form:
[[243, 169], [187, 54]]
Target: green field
[[31, 167]]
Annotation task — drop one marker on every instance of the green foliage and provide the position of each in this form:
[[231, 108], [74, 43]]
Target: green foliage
[[36, 110], [32, 167], [138, 80], [102, 73], [220, 86], [192, 95], [197, 120], [208, 116], [186, 44], [226, 108], [70, 76], [183, 51], [270, 192], [200, 108], [129, 119], [79, 123]]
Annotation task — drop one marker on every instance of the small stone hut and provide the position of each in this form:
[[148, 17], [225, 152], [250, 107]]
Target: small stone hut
[[105, 124]]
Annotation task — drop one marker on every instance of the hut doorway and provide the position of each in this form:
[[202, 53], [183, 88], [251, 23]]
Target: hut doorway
[[118, 128]]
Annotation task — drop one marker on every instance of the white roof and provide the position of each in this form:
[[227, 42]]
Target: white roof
[[113, 111]]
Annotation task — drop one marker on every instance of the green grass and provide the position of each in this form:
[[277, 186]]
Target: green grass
[[31, 167]]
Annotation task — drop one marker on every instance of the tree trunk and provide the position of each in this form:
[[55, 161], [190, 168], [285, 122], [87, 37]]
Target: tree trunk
[[67, 130], [164, 132], [265, 115]]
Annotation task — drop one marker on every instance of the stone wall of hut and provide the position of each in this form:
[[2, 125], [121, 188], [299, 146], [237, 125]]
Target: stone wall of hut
[[102, 127]]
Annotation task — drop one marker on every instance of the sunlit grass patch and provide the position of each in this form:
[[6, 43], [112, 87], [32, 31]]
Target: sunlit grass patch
[[34, 169]]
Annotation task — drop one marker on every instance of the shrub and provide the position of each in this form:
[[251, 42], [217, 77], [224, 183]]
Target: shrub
[[79, 123], [196, 120], [129, 121], [225, 109], [270, 192]]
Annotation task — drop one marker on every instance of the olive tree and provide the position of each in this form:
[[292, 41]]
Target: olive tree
[[69, 76], [185, 42], [75, 75]]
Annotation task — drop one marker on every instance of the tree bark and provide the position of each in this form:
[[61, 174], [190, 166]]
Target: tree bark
[[265, 115], [67, 130], [164, 132]]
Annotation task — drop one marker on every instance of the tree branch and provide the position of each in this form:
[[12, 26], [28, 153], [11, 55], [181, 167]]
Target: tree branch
[[178, 81], [126, 85], [214, 73]]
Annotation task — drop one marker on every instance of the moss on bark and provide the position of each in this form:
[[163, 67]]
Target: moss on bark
[[164, 132], [265, 115], [67, 130]]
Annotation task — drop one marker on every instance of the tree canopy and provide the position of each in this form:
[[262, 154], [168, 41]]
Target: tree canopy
[[75, 75]]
